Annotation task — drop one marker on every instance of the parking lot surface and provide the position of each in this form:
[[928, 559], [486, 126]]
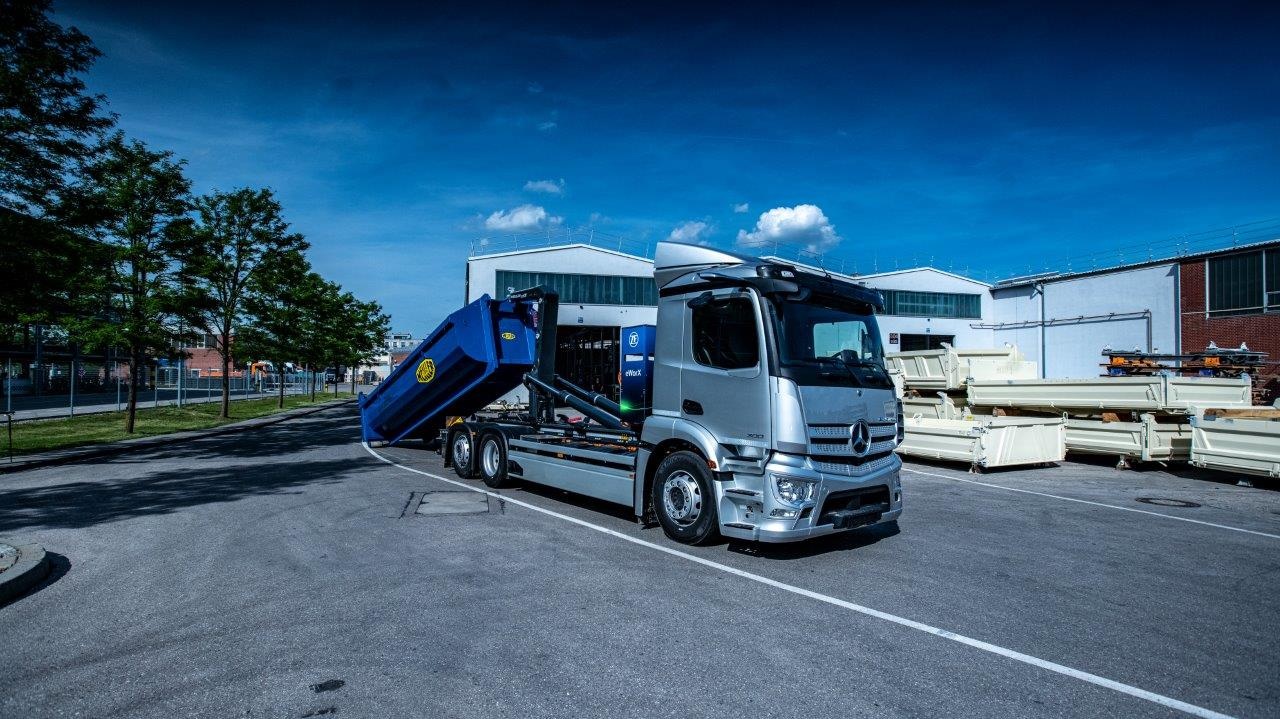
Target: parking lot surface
[[290, 572]]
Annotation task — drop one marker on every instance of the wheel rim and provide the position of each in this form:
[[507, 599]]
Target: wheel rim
[[489, 457], [682, 498], [462, 451]]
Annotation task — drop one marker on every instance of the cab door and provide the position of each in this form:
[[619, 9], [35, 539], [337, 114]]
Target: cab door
[[725, 380]]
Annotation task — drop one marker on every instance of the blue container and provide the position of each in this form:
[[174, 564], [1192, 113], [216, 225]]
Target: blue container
[[636, 360], [478, 354]]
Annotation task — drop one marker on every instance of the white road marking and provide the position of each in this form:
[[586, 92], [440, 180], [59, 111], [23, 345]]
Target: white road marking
[[1017, 656], [1096, 504]]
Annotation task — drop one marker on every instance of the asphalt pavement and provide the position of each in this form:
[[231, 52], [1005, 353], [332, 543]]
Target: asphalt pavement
[[289, 572]]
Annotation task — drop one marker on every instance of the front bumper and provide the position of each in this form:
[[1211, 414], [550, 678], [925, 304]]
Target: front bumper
[[747, 502]]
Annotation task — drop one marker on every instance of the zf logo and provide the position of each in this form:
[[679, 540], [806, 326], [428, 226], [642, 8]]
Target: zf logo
[[633, 340]]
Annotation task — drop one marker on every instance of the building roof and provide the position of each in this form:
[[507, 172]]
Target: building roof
[[480, 255], [1175, 259], [922, 268], [876, 275]]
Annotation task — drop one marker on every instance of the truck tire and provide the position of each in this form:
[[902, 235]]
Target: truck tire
[[462, 453], [683, 499], [492, 461]]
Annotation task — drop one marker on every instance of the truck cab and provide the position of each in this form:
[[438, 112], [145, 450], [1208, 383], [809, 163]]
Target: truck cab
[[773, 416]]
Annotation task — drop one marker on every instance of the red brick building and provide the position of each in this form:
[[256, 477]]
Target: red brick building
[[1231, 297]]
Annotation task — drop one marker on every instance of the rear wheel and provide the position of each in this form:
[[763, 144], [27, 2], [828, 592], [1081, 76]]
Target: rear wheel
[[493, 460], [683, 500], [460, 451]]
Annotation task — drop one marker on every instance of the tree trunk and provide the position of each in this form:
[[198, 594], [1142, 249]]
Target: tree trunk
[[131, 409], [353, 379], [226, 384], [313, 384], [281, 403]]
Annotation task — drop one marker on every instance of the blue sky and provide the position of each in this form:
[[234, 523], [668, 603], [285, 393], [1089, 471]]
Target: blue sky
[[993, 138]]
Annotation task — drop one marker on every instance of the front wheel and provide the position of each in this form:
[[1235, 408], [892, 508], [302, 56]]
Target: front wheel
[[683, 499], [493, 460], [460, 451]]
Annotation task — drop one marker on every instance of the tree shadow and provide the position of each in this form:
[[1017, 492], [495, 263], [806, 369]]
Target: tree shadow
[[80, 504], [329, 427], [203, 471]]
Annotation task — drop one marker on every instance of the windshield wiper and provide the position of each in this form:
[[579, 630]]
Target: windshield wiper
[[848, 371]]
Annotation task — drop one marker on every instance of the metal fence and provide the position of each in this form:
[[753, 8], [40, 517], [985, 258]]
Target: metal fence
[[64, 389]]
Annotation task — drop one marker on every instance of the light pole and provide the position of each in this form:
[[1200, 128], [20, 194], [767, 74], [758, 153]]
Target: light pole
[[182, 364]]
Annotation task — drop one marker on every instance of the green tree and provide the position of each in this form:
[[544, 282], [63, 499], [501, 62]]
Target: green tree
[[49, 127], [276, 307], [139, 199], [361, 333], [236, 234], [320, 340]]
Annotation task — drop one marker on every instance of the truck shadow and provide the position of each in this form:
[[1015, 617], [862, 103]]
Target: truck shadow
[[596, 506], [842, 542]]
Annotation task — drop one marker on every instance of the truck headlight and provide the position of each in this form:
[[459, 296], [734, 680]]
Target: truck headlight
[[793, 490]]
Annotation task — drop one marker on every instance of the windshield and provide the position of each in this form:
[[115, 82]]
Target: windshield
[[826, 340]]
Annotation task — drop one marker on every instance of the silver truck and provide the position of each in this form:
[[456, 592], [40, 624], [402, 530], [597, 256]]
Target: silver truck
[[773, 418]]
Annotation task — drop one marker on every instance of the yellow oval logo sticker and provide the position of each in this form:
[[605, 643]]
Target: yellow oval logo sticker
[[508, 335], [426, 371]]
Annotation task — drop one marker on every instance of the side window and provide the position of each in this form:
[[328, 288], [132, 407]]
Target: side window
[[724, 334]]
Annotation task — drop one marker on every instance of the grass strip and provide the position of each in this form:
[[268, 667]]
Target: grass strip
[[44, 435]]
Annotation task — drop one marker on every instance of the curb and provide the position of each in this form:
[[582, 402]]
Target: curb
[[25, 571], [57, 457]]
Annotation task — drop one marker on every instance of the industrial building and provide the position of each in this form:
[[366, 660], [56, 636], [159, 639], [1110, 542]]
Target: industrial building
[[1063, 321], [1228, 297], [601, 291]]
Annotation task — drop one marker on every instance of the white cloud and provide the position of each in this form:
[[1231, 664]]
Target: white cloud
[[551, 187], [694, 231], [521, 219], [534, 88], [799, 225], [548, 125], [742, 207]]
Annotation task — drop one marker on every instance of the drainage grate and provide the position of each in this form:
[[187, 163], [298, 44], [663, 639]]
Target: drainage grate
[[1164, 502]]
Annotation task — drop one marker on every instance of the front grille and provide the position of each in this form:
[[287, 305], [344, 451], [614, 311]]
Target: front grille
[[842, 448], [855, 507], [836, 465], [840, 432]]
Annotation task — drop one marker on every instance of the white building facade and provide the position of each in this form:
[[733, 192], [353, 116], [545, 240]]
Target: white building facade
[[925, 307], [601, 291], [1065, 322]]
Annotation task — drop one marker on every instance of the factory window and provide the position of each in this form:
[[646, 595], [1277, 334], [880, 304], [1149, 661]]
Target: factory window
[[915, 343], [1244, 283], [724, 334], [583, 289], [1273, 280], [906, 303]]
